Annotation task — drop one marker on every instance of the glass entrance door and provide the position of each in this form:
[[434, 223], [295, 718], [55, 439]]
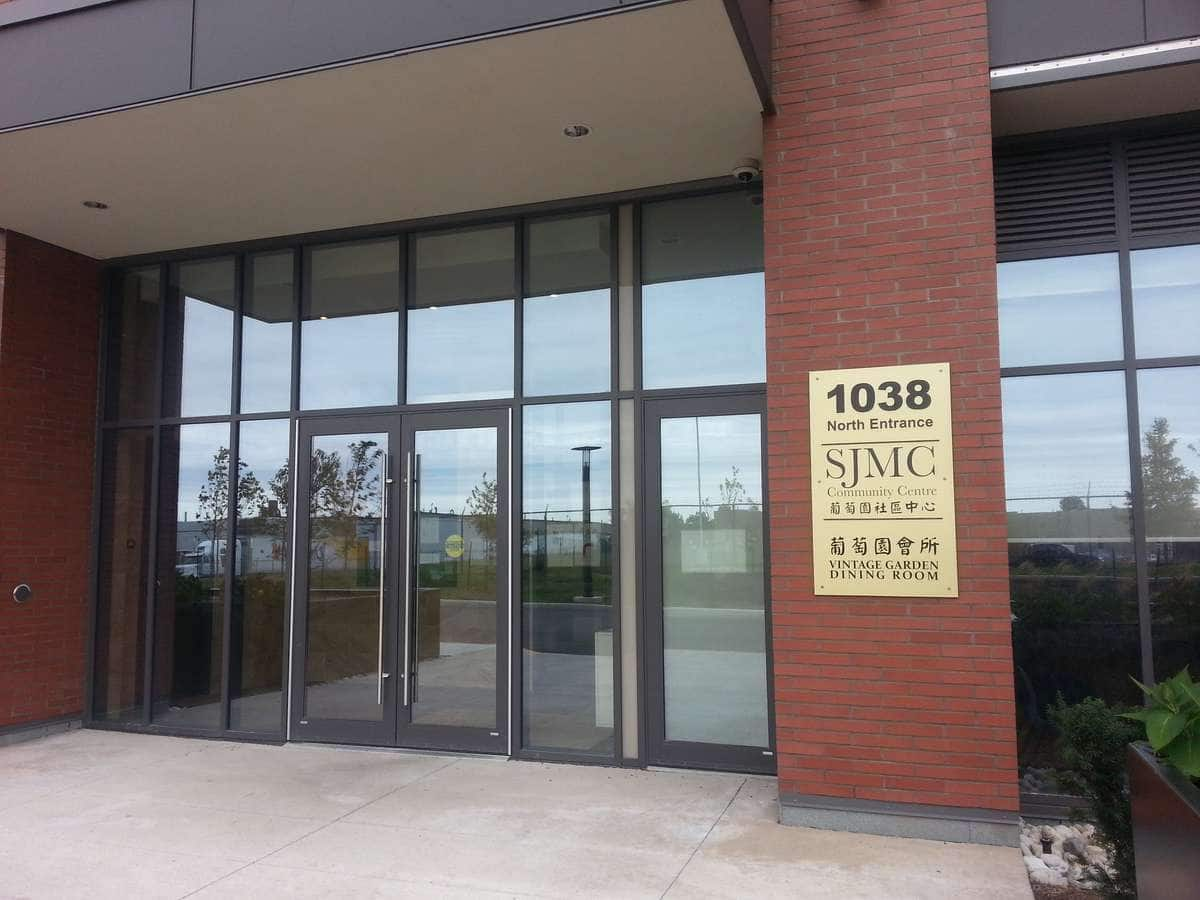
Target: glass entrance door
[[456, 610], [708, 666], [348, 540], [401, 595]]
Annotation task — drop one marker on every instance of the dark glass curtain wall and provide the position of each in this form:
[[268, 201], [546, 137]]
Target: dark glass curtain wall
[[211, 363], [1100, 352]]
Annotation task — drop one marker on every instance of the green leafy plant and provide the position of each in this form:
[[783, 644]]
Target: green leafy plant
[[1172, 720], [1093, 738]]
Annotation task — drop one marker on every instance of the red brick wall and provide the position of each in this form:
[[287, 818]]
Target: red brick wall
[[881, 250], [49, 321]]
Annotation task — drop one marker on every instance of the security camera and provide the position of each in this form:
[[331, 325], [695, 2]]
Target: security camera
[[746, 170]]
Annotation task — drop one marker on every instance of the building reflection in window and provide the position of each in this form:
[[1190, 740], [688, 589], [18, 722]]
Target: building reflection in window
[[193, 555], [567, 309], [259, 570], [703, 295], [714, 594], [350, 331], [198, 369], [1170, 421], [566, 578], [1071, 558], [124, 537]]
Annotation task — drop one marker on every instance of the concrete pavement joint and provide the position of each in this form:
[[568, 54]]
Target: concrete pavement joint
[[319, 828], [696, 849]]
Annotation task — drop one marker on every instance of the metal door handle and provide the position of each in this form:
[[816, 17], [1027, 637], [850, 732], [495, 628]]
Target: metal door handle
[[415, 597], [408, 570], [383, 505]]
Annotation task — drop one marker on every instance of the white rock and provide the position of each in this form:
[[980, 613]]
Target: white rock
[[1055, 862], [1048, 876], [1034, 864], [1075, 845]]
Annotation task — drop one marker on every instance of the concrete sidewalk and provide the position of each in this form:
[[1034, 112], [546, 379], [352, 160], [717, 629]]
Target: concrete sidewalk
[[101, 814]]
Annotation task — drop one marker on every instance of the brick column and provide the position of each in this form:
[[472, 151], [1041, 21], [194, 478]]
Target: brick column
[[49, 330], [892, 715]]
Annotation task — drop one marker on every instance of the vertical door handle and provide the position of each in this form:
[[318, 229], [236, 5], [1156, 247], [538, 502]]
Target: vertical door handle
[[412, 626], [408, 568], [383, 505]]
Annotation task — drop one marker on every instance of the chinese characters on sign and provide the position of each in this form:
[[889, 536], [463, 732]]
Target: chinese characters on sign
[[883, 482]]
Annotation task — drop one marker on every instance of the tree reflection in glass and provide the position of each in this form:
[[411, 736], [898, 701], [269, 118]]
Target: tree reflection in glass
[[259, 577], [346, 473], [1072, 569], [1171, 500]]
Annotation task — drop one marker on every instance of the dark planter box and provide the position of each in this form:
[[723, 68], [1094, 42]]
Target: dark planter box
[[1166, 828]]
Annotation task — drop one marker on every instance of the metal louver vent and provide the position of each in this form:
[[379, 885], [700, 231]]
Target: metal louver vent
[[1057, 195], [1164, 183]]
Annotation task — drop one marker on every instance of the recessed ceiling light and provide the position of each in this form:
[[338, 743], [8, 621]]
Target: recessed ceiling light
[[95, 204], [577, 131]]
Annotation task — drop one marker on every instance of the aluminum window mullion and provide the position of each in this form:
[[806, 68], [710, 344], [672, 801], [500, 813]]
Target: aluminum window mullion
[[240, 272], [148, 660], [1133, 423]]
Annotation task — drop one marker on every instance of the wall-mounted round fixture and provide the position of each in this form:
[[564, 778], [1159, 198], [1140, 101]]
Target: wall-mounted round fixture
[[95, 204], [577, 131], [22, 592]]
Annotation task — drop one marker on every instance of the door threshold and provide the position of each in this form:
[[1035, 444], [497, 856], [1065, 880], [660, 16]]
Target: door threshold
[[408, 751]]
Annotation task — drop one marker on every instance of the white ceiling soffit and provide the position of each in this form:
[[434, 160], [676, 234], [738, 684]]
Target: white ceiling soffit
[[665, 90], [1094, 101]]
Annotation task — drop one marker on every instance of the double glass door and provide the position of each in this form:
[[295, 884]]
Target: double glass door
[[401, 612]]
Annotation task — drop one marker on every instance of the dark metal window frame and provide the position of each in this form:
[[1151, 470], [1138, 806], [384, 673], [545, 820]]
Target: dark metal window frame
[[404, 232], [1124, 245]]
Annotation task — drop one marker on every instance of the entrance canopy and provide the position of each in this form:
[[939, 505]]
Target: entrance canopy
[[667, 92]]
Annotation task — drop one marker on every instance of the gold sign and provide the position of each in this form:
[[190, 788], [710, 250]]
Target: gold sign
[[883, 482], [454, 546]]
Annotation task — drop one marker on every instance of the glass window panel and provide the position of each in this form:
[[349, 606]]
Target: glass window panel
[[199, 365], [341, 675], [464, 265], [697, 237], [1060, 310], [260, 577], [566, 580], [703, 295], [567, 349], [1166, 301], [460, 506], [714, 595], [267, 312], [567, 315], [1071, 560], [349, 340], [192, 561], [568, 254], [133, 345], [706, 331], [1170, 422], [462, 352], [123, 568]]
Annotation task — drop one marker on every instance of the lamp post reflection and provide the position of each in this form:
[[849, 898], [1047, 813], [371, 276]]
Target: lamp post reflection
[[586, 478]]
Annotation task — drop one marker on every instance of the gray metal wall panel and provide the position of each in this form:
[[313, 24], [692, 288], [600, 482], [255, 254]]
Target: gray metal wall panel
[[1022, 31], [1170, 19], [94, 58], [236, 40]]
